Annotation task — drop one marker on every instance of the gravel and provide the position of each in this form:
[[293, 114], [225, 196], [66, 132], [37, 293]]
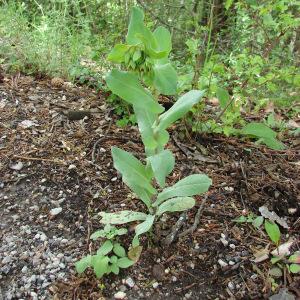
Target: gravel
[[35, 252]]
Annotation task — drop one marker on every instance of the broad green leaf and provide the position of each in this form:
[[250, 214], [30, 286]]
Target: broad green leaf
[[132, 169], [150, 45], [127, 86], [241, 219], [165, 79], [105, 248], [162, 165], [295, 258], [273, 231], [100, 265], [228, 3], [179, 109], [97, 234], [119, 250], [295, 268], [121, 231], [273, 143], [115, 269], [259, 130], [223, 97], [163, 38], [124, 262], [189, 186], [136, 26], [117, 54], [113, 259], [122, 217], [267, 135], [176, 204], [162, 139], [145, 120], [142, 228], [258, 221], [83, 264], [142, 193]]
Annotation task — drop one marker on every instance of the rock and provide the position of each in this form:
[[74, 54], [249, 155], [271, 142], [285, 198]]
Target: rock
[[158, 272], [24, 269], [17, 167], [224, 242], [155, 285], [55, 211], [231, 285], [222, 263], [129, 282], [6, 260], [120, 295]]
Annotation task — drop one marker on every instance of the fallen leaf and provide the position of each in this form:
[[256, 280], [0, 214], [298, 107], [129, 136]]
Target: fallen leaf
[[283, 249], [272, 216], [27, 124], [283, 294], [261, 255]]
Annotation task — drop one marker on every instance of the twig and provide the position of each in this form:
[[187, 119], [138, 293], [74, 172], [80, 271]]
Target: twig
[[174, 231], [224, 109], [197, 220], [100, 140], [39, 159], [162, 21]]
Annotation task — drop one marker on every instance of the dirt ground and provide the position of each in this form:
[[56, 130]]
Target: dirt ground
[[56, 174]]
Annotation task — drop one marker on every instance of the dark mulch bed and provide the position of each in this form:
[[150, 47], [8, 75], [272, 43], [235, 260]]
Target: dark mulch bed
[[198, 266]]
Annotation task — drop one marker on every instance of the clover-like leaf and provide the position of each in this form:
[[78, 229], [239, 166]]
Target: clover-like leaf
[[124, 262]]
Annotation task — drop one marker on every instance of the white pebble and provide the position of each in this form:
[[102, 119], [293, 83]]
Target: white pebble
[[55, 211], [120, 295], [222, 263]]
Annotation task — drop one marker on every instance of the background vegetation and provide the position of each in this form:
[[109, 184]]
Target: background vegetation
[[250, 48]]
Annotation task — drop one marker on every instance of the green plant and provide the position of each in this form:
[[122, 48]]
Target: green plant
[[279, 257], [146, 56], [264, 134], [104, 262]]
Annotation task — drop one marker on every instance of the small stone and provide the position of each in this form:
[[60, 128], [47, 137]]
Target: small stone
[[122, 288], [24, 269], [231, 263], [17, 167], [224, 242], [232, 246], [231, 285], [155, 285], [120, 295], [43, 237], [129, 282], [188, 295], [6, 260], [222, 263], [55, 211], [72, 167]]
